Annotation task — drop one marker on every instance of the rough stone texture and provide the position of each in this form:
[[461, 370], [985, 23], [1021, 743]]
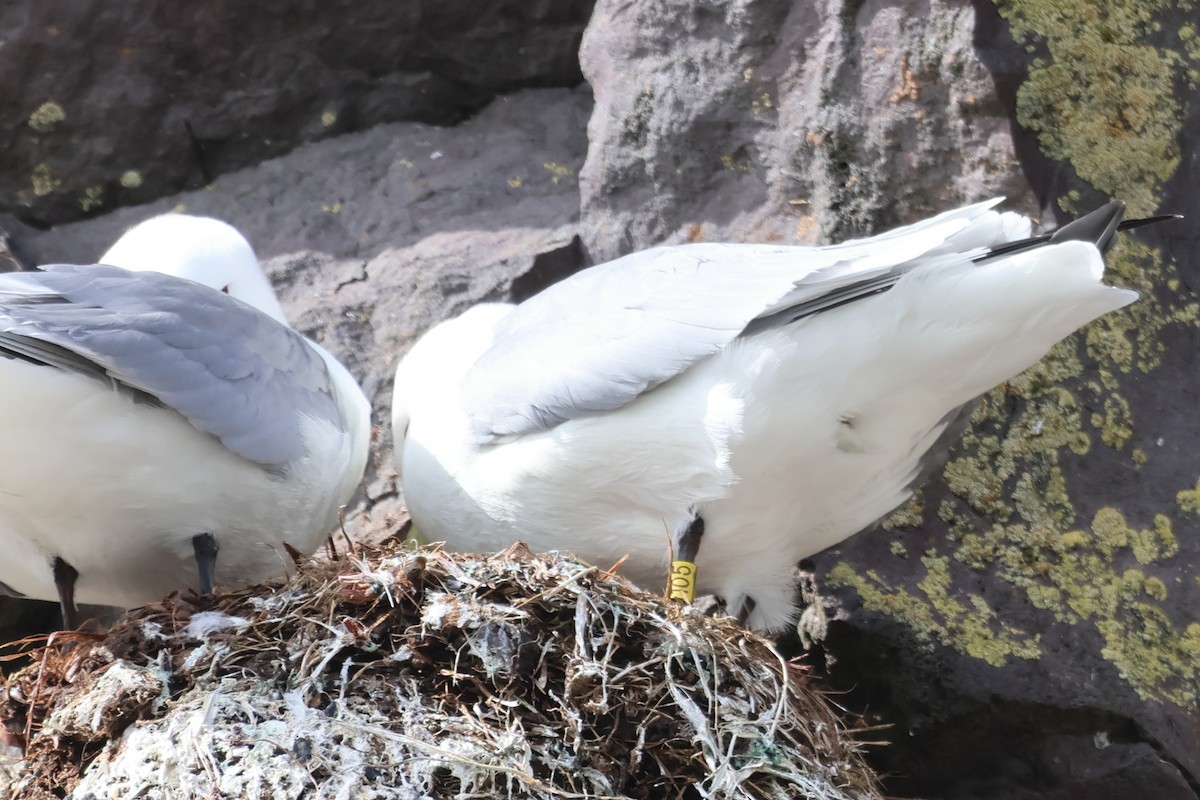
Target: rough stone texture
[[109, 104], [781, 121], [370, 238], [1045, 588]]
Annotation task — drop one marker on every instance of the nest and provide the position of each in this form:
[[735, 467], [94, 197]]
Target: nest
[[403, 673]]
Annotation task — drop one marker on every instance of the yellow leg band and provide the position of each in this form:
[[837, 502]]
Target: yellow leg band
[[682, 585]]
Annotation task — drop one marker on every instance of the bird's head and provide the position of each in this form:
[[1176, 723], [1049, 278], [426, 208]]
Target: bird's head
[[200, 249]]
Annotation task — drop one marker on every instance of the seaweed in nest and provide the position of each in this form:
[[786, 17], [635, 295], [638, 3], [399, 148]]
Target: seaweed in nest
[[400, 672]]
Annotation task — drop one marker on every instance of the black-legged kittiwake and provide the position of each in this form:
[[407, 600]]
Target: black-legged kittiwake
[[156, 407], [751, 404]]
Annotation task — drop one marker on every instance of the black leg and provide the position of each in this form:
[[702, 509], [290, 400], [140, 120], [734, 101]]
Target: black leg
[[687, 545], [743, 614], [682, 584], [64, 580], [205, 547]]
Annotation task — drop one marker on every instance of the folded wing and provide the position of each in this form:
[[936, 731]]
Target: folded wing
[[596, 341], [229, 369]]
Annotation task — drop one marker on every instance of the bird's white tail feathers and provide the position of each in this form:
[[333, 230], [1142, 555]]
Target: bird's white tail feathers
[[993, 319]]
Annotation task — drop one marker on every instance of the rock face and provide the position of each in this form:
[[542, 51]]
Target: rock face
[[780, 121], [112, 104], [1028, 626]]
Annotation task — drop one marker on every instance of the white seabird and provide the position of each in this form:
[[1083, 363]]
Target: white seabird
[[150, 419], [761, 401]]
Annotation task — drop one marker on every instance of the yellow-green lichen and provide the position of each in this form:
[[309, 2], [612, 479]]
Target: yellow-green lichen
[[1189, 499], [1079, 576], [909, 515], [557, 171], [939, 617], [1132, 337], [762, 104], [92, 197], [43, 180], [1190, 41], [1155, 588], [736, 164], [131, 179], [1100, 94], [1116, 424], [47, 116]]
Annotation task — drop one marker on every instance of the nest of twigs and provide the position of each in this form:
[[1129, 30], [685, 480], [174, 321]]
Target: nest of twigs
[[403, 673]]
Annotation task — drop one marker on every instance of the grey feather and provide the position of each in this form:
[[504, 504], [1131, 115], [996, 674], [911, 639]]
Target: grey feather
[[229, 369], [596, 341]]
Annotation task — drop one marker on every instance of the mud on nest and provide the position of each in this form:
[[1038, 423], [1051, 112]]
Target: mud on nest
[[401, 673]]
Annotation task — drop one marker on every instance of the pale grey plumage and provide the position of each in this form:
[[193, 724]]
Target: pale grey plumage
[[229, 369], [595, 342], [590, 418]]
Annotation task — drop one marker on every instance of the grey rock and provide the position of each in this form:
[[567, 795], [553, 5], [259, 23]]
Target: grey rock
[[778, 121], [111, 104]]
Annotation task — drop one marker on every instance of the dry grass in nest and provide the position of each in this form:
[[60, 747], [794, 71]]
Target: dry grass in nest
[[402, 673]]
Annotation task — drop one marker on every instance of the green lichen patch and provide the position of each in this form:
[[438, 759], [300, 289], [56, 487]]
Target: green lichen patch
[[1189, 499], [1101, 94], [1132, 337], [47, 116], [1079, 577], [909, 515], [1116, 423], [92, 198], [938, 617], [43, 180], [1189, 41], [1151, 654]]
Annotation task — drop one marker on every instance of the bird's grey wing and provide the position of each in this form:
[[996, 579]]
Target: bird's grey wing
[[229, 369], [594, 342], [597, 340]]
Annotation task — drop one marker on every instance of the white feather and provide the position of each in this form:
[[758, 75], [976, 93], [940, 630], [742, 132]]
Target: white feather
[[117, 489], [785, 442]]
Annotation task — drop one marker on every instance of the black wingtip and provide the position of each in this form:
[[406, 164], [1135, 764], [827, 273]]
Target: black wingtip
[[1130, 224], [1099, 227]]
